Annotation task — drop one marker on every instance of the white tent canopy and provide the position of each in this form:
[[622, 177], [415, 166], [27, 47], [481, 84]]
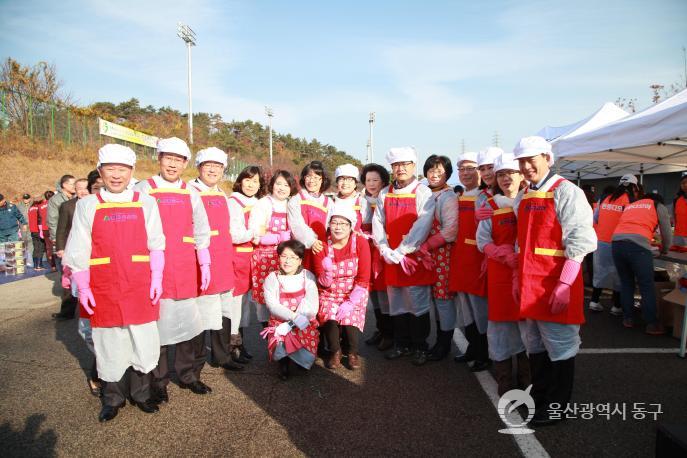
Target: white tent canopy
[[609, 112]]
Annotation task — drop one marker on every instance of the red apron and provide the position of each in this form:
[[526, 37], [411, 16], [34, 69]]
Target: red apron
[[120, 266], [179, 279], [265, 258], [541, 260], [609, 215], [504, 231], [296, 339], [33, 218], [344, 280], [400, 211], [242, 257], [221, 248], [315, 216], [466, 259]]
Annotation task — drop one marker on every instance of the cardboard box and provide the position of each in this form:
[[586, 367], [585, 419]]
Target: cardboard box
[[677, 299]]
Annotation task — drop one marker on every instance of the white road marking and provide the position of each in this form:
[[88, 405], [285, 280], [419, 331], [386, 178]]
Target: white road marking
[[604, 351]]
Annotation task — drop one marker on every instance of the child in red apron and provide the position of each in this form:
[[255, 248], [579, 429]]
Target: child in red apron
[[343, 273], [309, 209], [248, 188], [291, 297], [496, 237], [269, 223]]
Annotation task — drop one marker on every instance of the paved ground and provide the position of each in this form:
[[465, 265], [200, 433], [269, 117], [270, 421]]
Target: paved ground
[[387, 408]]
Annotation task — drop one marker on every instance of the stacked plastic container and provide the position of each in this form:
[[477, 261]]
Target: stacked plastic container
[[14, 258]]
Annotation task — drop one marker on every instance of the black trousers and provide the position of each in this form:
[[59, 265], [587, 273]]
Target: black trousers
[[38, 247], [184, 362], [200, 354], [219, 342], [411, 331], [335, 334], [384, 323], [133, 384]]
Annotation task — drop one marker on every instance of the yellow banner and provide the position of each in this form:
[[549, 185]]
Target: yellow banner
[[124, 133]]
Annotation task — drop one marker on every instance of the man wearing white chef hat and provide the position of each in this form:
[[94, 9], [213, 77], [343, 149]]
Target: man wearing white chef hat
[[116, 254], [401, 223], [217, 309], [555, 233], [187, 234]]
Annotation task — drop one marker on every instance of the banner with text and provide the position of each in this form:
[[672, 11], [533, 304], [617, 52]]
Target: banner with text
[[124, 133]]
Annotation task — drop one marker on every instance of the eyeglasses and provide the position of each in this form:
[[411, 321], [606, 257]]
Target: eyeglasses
[[346, 179], [313, 178], [398, 165], [172, 159], [467, 169], [289, 258], [211, 165], [339, 223]]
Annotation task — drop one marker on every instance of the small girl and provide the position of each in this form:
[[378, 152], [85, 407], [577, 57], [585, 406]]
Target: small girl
[[292, 299]]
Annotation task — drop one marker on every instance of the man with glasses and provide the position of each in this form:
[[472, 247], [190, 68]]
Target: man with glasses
[[401, 223]]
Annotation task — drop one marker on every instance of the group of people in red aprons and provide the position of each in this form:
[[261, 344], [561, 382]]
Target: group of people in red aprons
[[159, 264]]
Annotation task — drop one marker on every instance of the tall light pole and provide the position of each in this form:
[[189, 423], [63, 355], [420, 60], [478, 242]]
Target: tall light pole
[[270, 114], [370, 145], [189, 36]]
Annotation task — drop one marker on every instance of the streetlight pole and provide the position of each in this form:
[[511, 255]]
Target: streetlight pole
[[370, 144], [270, 114], [189, 36]]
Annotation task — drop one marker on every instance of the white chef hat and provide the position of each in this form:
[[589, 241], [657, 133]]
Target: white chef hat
[[628, 179], [488, 156], [506, 161], [402, 154], [211, 154], [468, 156], [347, 170], [531, 146], [113, 153], [344, 210], [173, 145]]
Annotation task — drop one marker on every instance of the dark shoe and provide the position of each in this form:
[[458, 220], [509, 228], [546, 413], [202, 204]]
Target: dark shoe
[[196, 387], [375, 339], [147, 406], [60, 317], [480, 366], [463, 358], [244, 353], [238, 357], [437, 353], [334, 361], [284, 369], [353, 361], [397, 352], [385, 344], [628, 322], [231, 366], [419, 358], [159, 395], [655, 329], [107, 413]]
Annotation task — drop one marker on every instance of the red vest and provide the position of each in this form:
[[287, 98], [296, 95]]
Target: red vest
[[639, 218], [680, 212], [315, 216], [43, 215], [504, 231], [542, 256], [120, 265], [180, 277], [609, 215], [242, 257], [466, 259], [33, 218], [400, 211], [221, 248]]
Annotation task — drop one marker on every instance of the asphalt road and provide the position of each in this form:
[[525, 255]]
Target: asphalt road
[[387, 408]]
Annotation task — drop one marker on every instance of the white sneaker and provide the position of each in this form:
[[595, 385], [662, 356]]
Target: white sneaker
[[616, 311], [595, 306]]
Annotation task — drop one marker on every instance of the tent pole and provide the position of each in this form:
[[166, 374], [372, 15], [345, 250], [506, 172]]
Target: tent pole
[[579, 180], [641, 174]]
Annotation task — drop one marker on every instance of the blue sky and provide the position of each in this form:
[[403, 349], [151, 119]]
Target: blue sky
[[435, 73]]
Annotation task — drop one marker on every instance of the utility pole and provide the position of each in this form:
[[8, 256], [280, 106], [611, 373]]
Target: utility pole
[[495, 139], [189, 36], [370, 147], [462, 146], [270, 114]]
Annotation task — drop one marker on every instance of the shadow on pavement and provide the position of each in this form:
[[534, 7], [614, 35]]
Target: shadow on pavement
[[30, 441]]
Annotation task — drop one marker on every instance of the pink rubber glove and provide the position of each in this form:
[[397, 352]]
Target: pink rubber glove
[[344, 309], [157, 266], [284, 236], [408, 265], [270, 239], [498, 252], [204, 261], [358, 295], [425, 257], [66, 281], [560, 298], [516, 286], [483, 213], [512, 260], [327, 277], [433, 242], [83, 283]]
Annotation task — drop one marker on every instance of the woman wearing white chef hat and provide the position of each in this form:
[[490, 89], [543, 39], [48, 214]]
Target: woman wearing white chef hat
[[346, 179], [116, 255]]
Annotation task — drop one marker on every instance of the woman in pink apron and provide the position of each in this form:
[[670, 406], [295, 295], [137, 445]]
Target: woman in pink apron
[[269, 223], [346, 177], [343, 274], [291, 297], [308, 211], [248, 188]]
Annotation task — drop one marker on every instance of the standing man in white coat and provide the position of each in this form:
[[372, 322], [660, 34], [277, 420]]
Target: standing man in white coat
[[115, 251], [187, 235]]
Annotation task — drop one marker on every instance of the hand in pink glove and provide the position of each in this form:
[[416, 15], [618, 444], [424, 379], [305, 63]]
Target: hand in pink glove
[[204, 262], [560, 298], [433, 242], [484, 212], [516, 287], [426, 259], [66, 281], [270, 238], [408, 265], [284, 236], [344, 309], [83, 283], [358, 295], [498, 253], [327, 276], [157, 266], [512, 260]]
